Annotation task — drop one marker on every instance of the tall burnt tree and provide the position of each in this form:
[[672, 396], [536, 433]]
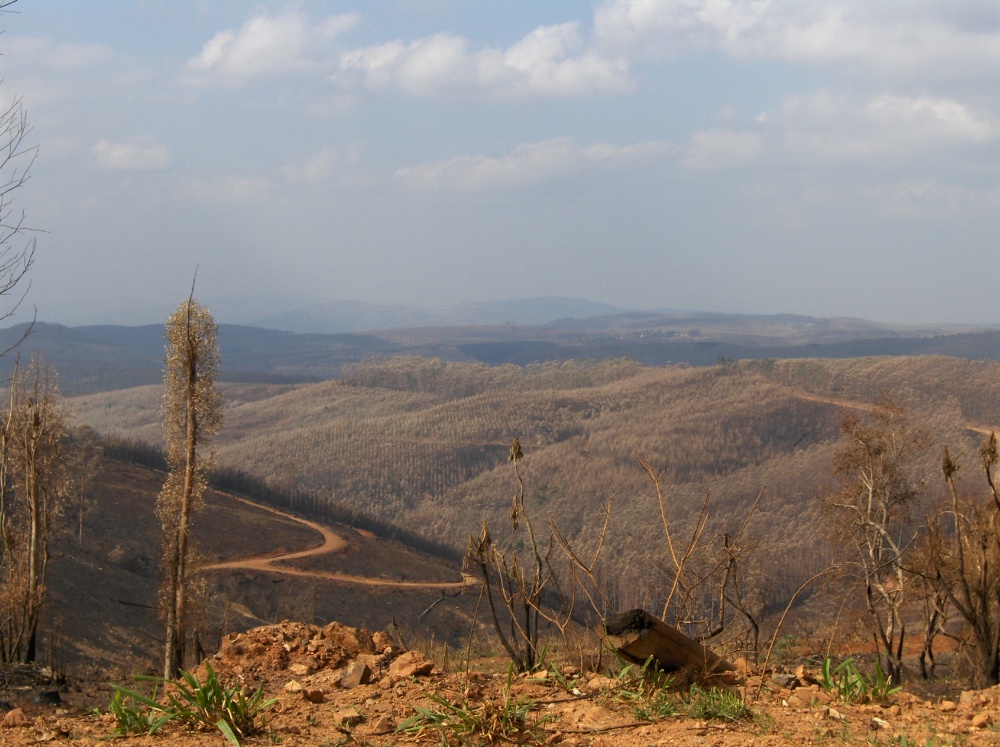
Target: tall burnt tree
[[871, 508], [34, 482], [964, 561], [192, 413]]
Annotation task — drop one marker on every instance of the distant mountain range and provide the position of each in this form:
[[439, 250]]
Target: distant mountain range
[[108, 357], [355, 316]]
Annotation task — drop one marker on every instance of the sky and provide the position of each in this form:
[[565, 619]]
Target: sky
[[835, 158]]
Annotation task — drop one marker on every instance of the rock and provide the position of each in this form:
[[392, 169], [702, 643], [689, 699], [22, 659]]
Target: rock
[[313, 695], [835, 714], [356, 674], [948, 706], [15, 717], [410, 664], [47, 697], [878, 723], [806, 677], [293, 686], [382, 641], [599, 682], [807, 698], [383, 725], [304, 666], [967, 699], [981, 720], [385, 683], [343, 636], [783, 679], [347, 717]]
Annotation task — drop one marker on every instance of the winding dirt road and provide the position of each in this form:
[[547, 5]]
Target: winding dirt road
[[331, 543]]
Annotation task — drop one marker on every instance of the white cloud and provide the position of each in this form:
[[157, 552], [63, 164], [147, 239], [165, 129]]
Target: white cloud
[[135, 154], [717, 149], [928, 117], [269, 45], [549, 61], [321, 165], [228, 189], [890, 38], [525, 164], [830, 125]]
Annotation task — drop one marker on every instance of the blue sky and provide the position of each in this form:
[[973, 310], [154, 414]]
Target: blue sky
[[823, 158]]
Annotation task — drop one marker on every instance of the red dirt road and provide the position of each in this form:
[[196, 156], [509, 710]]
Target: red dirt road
[[331, 543]]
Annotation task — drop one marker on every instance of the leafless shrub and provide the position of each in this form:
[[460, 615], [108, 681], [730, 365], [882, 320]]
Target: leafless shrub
[[962, 548]]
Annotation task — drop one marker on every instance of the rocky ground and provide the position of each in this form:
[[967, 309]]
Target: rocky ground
[[336, 685]]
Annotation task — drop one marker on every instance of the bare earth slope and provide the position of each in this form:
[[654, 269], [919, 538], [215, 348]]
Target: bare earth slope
[[304, 667]]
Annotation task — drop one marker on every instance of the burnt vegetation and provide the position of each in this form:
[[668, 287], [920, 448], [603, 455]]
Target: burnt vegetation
[[741, 452]]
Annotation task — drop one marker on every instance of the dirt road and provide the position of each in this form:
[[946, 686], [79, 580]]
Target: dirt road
[[851, 404], [331, 543]]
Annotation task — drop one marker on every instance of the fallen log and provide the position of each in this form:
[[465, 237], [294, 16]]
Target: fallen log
[[636, 636]]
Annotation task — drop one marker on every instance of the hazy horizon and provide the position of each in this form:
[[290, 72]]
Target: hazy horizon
[[822, 159]]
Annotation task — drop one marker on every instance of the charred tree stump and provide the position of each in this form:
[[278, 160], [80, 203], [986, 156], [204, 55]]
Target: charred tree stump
[[636, 636]]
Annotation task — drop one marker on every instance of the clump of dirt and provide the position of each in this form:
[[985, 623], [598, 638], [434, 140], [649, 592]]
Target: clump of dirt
[[340, 685]]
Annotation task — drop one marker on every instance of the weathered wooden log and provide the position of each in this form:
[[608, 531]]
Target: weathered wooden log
[[636, 636]]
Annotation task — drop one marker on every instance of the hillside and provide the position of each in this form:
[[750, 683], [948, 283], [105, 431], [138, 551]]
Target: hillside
[[100, 619], [422, 444]]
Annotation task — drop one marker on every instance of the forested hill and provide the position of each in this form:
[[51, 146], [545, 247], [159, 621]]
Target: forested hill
[[423, 444]]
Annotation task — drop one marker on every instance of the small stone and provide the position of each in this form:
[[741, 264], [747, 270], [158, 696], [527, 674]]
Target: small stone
[[304, 666], [293, 686], [981, 720], [805, 676], [348, 717], [313, 695], [805, 698], [15, 717], [783, 679], [878, 723], [599, 682], [356, 674], [383, 725], [410, 664], [835, 714], [948, 706], [385, 683]]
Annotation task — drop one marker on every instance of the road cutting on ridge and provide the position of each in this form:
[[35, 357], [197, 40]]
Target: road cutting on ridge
[[331, 543]]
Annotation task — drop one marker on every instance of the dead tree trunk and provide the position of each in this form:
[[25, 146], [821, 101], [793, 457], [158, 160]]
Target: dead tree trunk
[[636, 636]]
